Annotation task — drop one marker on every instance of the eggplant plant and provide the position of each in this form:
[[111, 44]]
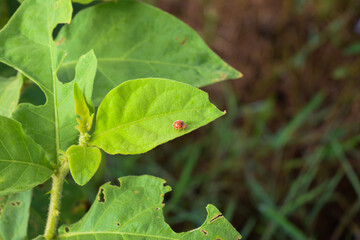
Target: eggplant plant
[[116, 79]]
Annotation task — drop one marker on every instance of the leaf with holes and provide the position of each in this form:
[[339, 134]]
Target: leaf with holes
[[23, 163], [138, 115], [134, 40], [26, 44], [84, 162], [9, 94], [133, 210], [14, 215]]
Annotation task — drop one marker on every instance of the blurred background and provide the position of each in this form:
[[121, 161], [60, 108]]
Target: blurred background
[[283, 163]]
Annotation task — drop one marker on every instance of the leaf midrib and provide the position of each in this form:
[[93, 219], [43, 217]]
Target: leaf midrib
[[140, 61], [25, 163], [56, 120]]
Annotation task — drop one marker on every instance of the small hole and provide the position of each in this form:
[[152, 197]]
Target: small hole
[[204, 232], [67, 229], [115, 182], [118, 224], [101, 195]]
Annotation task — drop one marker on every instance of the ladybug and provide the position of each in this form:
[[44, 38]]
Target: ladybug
[[178, 125]]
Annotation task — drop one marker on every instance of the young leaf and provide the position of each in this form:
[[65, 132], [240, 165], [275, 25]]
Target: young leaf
[[82, 110], [26, 44], [133, 210], [23, 164], [14, 215], [138, 115], [84, 162], [9, 94], [135, 40]]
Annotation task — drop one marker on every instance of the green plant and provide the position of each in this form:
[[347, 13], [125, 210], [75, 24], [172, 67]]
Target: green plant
[[94, 57]]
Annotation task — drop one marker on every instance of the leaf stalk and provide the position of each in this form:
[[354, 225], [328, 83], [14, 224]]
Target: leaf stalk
[[55, 200]]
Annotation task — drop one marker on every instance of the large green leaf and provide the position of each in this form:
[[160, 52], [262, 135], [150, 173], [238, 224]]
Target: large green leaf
[[84, 162], [14, 208], [14, 215], [133, 211], [23, 163], [135, 40], [138, 115], [9, 94], [26, 44]]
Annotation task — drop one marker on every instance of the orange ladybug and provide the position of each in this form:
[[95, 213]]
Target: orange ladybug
[[178, 125]]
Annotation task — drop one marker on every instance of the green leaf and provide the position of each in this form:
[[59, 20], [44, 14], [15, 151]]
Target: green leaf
[[84, 162], [83, 1], [133, 210], [26, 44], [138, 115], [14, 215], [9, 94], [23, 164], [82, 110], [135, 40]]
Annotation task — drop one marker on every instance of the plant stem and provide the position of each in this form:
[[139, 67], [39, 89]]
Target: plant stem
[[55, 200]]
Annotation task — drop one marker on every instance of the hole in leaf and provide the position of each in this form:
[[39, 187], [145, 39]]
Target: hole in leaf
[[204, 232], [33, 94], [67, 229], [102, 195], [157, 208], [118, 224], [18, 203], [115, 182], [217, 216], [12, 203]]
